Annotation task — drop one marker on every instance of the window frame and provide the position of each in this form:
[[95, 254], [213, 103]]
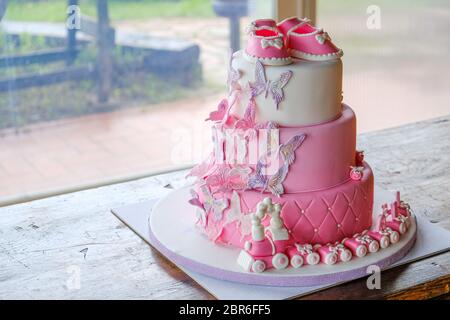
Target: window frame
[[300, 8]]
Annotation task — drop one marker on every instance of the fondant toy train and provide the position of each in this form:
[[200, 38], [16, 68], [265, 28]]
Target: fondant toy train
[[272, 246]]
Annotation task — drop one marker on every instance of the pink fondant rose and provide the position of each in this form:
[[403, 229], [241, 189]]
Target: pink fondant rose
[[356, 173]]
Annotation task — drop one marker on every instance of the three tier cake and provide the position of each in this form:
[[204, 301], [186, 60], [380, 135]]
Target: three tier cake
[[284, 181]]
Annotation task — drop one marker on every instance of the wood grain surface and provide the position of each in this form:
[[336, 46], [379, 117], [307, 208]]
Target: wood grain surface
[[72, 247]]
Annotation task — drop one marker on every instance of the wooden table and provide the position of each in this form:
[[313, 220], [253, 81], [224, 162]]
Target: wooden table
[[71, 246]]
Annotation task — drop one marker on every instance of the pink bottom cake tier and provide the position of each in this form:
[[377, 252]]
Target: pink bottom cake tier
[[315, 217]]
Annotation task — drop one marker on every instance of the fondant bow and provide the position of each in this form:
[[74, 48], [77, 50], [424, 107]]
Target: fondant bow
[[337, 248], [277, 43], [305, 249], [402, 219], [322, 37], [386, 231], [364, 239]]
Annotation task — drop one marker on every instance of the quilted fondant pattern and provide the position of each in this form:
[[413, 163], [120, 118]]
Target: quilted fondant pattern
[[317, 217], [324, 218]]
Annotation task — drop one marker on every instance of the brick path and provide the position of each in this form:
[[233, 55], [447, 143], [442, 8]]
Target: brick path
[[100, 146]]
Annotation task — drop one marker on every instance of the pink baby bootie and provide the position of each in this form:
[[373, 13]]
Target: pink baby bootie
[[304, 41], [266, 44]]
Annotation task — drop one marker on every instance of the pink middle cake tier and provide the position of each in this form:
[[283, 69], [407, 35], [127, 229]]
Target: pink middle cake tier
[[324, 158]]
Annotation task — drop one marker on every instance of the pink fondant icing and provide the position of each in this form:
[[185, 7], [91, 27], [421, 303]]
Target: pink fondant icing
[[317, 203], [325, 157], [307, 41], [316, 217], [266, 43], [288, 24]]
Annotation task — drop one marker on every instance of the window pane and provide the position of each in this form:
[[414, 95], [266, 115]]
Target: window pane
[[124, 100], [395, 58], [73, 114]]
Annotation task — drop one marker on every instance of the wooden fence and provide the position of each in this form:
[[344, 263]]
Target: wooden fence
[[166, 57], [102, 72]]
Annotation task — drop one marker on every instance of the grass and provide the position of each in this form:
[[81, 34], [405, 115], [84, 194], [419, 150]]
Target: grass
[[55, 10]]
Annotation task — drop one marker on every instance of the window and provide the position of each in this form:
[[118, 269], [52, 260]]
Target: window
[[96, 91], [394, 57]]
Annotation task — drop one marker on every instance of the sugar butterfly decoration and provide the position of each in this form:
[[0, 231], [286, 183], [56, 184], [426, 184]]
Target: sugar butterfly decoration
[[274, 183], [226, 178], [287, 150], [200, 210], [262, 85], [235, 214], [233, 76], [248, 121], [220, 113], [216, 206], [223, 109]]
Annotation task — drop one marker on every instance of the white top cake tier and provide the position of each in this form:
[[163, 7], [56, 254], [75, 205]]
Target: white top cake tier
[[312, 95]]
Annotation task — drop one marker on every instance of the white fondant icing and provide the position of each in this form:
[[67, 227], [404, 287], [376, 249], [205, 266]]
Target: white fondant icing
[[268, 203], [296, 261], [374, 246], [280, 261], [402, 228], [245, 260], [313, 94], [277, 229], [345, 255], [313, 258], [361, 251], [257, 229], [330, 258], [384, 242], [405, 220], [258, 266], [394, 236], [201, 216], [267, 61], [279, 233], [275, 42]]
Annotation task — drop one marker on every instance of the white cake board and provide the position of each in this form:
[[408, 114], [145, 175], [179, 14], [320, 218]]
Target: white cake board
[[189, 248], [136, 217]]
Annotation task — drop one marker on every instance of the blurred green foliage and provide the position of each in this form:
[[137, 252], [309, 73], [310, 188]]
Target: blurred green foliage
[[55, 10]]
